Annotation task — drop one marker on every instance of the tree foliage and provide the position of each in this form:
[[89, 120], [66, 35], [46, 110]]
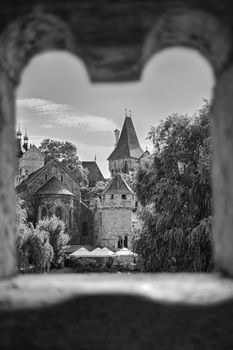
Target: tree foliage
[[90, 194], [66, 153], [31, 245], [174, 188], [57, 236]]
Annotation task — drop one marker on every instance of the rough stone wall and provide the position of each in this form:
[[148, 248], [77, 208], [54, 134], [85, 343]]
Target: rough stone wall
[[30, 162], [53, 169], [116, 219], [117, 166], [115, 222], [7, 163], [52, 202]]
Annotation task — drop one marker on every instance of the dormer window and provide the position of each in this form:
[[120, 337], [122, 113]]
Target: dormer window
[[112, 196]]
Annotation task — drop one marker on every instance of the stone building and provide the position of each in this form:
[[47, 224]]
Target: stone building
[[52, 190], [28, 158], [127, 149], [113, 217]]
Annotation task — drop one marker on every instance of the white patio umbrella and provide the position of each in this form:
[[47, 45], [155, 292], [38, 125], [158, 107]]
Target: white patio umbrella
[[125, 252], [80, 253], [98, 252]]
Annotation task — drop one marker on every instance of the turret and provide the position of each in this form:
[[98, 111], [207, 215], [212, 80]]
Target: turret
[[25, 139]]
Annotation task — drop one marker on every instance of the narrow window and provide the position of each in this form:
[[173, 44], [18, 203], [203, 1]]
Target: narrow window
[[58, 213], [71, 218], [112, 196], [62, 177], [126, 242], [46, 177], [43, 213], [123, 196], [119, 243]]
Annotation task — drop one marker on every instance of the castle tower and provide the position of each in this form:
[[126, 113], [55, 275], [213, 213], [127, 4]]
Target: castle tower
[[116, 214], [127, 149]]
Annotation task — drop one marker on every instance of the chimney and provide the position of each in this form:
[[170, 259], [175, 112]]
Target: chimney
[[117, 134]]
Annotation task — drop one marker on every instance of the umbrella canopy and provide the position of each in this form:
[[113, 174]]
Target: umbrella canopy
[[98, 252], [80, 253], [125, 252]]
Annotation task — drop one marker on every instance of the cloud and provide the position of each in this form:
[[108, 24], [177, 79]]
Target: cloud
[[52, 114]]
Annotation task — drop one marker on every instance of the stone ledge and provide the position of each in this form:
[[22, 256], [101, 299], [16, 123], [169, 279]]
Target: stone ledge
[[28, 291], [112, 312]]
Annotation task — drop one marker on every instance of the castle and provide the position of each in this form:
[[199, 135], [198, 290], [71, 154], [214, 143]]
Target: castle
[[51, 189]]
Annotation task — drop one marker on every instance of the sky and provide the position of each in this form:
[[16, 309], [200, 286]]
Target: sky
[[56, 100]]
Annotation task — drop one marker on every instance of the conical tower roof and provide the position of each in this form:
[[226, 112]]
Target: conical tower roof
[[128, 145], [117, 184]]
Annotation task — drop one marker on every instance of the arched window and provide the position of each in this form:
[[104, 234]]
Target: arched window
[[43, 213], [71, 218], [126, 242], [58, 213], [119, 243]]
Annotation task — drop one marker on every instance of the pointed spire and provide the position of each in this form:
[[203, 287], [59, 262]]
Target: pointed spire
[[19, 134], [25, 136]]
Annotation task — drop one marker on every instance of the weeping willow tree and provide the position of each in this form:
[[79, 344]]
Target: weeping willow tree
[[174, 188], [32, 245], [58, 238]]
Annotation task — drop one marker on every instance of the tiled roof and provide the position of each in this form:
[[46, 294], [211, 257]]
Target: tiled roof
[[23, 184], [53, 186], [117, 184], [94, 173], [128, 145]]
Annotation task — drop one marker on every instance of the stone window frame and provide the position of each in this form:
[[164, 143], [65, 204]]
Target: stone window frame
[[36, 32]]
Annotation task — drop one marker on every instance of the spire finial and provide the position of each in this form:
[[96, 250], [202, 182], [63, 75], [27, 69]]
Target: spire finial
[[130, 114], [95, 157], [125, 112]]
